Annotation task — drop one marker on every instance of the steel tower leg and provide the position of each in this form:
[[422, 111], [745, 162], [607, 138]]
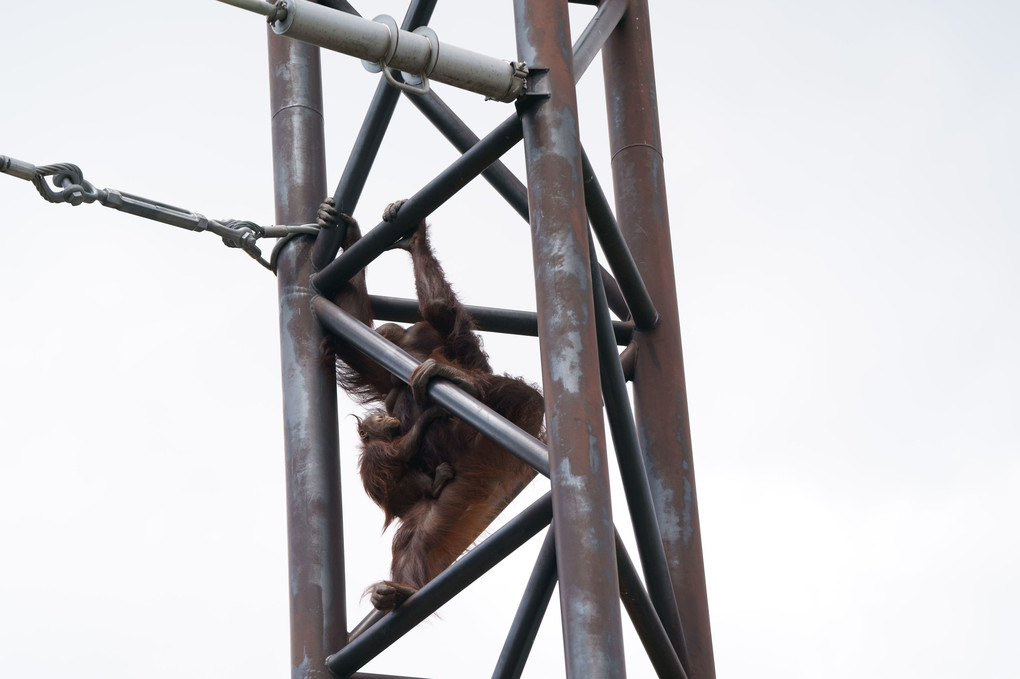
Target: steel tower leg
[[660, 392], [314, 526], [584, 535]]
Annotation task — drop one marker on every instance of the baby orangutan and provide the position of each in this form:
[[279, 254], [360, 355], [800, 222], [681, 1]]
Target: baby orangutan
[[395, 477]]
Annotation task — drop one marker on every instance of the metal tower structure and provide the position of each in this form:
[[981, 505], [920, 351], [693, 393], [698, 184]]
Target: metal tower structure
[[652, 441], [564, 202]]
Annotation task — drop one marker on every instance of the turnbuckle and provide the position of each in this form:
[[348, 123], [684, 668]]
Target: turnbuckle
[[68, 185]]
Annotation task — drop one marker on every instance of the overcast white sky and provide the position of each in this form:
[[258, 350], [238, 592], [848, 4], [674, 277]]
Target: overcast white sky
[[846, 227]]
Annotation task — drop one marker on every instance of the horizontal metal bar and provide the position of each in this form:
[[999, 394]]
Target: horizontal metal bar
[[401, 364], [489, 319], [448, 584]]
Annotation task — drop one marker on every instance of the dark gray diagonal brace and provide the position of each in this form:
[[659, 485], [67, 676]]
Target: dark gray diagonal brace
[[448, 584], [401, 364]]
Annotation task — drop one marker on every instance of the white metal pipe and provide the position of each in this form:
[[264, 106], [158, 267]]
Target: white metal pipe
[[381, 43]]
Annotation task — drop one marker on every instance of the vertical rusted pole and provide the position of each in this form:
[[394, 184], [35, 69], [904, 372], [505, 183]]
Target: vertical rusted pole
[[318, 619], [585, 544], [660, 393]]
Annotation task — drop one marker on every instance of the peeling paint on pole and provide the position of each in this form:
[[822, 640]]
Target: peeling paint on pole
[[584, 534], [660, 399]]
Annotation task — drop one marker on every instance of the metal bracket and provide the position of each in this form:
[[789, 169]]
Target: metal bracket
[[413, 83], [537, 83]]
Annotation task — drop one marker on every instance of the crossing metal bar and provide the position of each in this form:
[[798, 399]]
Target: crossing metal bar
[[660, 394], [618, 255], [418, 206], [366, 146], [529, 615], [448, 584], [645, 620], [502, 179], [318, 615], [456, 131], [401, 364], [585, 550], [632, 472]]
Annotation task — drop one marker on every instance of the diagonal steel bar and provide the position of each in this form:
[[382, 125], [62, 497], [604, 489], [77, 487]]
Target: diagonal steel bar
[[401, 364], [595, 34], [643, 615], [418, 206], [632, 472], [529, 614], [474, 161], [617, 253], [366, 146], [448, 584]]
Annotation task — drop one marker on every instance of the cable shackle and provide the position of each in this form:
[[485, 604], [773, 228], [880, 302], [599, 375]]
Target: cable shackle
[[68, 185]]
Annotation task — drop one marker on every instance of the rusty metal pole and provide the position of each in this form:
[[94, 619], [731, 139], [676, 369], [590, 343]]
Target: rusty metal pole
[[318, 618], [585, 543], [660, 392]]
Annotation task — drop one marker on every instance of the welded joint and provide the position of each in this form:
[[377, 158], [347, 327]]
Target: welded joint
[[538, 85]]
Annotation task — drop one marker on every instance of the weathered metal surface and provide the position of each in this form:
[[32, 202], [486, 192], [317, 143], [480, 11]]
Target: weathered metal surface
[[450, 582], [607, 231], [632, 472], [585, 550], [646, 622], [595, 34], [317, 596], [660, 395]]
